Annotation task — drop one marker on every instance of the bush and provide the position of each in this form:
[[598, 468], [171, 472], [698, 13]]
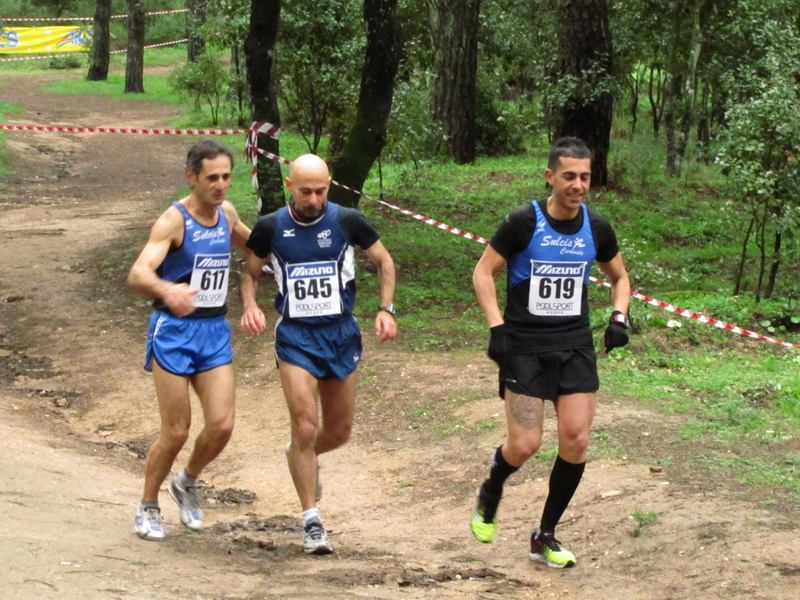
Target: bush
[[201, 80], [68, 62], [411, 134], [499, 132]]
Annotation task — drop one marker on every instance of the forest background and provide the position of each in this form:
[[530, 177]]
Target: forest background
[[698, 102]]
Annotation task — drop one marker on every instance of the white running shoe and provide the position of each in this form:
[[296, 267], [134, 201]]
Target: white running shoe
[[148, 523], [188, 502], [319, 479], [315, 539]]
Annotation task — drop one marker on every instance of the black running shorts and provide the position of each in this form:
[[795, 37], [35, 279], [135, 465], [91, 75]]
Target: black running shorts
[[548, 375]]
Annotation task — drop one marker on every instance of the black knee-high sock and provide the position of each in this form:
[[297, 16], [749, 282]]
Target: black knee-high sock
[[501, 471], [564, 480]]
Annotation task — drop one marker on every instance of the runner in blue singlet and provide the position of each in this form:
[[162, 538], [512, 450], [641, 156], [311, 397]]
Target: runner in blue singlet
[[317, 340], [542, 341], [184, 269]]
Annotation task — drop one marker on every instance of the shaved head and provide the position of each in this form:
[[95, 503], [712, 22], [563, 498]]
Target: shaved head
[[308, 165], [308, 182]]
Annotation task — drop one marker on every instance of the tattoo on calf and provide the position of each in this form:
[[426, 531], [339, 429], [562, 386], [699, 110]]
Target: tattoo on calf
[[527, 411]]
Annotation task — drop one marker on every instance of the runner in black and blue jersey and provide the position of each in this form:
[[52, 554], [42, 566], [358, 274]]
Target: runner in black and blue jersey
[[184, 269], [542, 341], [312, 244]]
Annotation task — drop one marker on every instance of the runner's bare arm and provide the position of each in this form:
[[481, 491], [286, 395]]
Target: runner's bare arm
[[620, 284], [143, 278], [240, 232], [483, 281], [385, 325], [253, 321]]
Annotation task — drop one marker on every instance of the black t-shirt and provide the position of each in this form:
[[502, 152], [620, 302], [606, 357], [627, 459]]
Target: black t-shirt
[[530, 333], [355, 227], [328, 242], [516, 231]]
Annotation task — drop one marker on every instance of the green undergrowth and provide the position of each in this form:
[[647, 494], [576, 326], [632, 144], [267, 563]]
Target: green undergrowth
[[5, 109], [737, 399]]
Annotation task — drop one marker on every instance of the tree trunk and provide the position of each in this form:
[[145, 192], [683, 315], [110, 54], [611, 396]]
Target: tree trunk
[[690, 80], [680, 88], [761, 242], [672, 98], [743, 258], [585, 54], [776, 263], [101, 41], [194, 20], [655, 94], [454, 29], [368, 134], [703, 135], [259, 49], [237, 91], [634, 83], [134, 64]]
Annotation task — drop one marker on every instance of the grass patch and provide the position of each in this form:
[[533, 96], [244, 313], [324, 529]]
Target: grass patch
[[155, 88], [5, 109], [740, 403], [642, 520]]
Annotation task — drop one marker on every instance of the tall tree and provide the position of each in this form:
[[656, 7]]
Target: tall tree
[[368, 134], [321, 43], [134, 64], [225, 26], [101, 34], [454, 31], [259, 51], [194, 21], [587, 103], [681, 84]]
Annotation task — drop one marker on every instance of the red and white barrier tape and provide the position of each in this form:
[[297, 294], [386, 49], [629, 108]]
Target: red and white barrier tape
[[418, 217], [652, 301], [82, 54], [251, 149], [54, 19], [153, 46], [60, 19], [38, 57], [683, 312], [123, 130], [157, 12]]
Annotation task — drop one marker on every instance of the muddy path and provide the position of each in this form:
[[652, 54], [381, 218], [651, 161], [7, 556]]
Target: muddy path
[[77, 414]]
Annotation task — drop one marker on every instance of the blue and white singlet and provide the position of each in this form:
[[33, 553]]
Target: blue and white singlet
[[203, 261]]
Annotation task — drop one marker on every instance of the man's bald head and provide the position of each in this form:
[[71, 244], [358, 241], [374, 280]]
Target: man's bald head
[[308, 165], [308, 182]]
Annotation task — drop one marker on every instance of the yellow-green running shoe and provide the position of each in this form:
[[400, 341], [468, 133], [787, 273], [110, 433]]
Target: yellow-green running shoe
[[547, 549], [484, 522]]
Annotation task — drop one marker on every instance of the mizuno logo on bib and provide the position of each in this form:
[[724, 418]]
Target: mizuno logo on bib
[[556, 288], [313, 289], [210, 279]]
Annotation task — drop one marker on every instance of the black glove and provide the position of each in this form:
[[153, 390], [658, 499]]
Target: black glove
[[616, 333], [497, 343]]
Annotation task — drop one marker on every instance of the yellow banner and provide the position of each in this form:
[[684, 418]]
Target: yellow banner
[[40, 40]]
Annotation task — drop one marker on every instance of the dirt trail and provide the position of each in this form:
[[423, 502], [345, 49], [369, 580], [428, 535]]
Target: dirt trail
[[77, 412]]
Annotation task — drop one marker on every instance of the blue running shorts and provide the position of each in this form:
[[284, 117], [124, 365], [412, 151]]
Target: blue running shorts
[[187, 346], [326, 351]]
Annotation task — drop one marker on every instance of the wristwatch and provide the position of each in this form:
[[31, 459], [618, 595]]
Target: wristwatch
[[619, 317], [388, 308]]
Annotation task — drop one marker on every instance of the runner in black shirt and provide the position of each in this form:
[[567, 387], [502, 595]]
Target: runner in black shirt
[[543, 343]]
